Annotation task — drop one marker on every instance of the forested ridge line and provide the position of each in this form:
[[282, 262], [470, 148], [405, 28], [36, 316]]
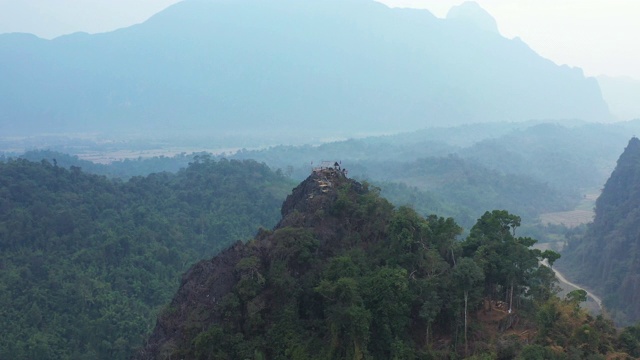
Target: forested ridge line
[[86, 262], [346, 275]]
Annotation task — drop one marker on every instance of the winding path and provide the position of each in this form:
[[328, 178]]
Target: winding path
[[564, 280]]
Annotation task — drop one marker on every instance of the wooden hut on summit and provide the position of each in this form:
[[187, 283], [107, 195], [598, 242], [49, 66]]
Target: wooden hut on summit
[[329, 168], [327, 173]]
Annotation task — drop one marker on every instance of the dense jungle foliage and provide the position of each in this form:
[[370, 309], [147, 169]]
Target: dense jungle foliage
[[86, 262], [365, 280]]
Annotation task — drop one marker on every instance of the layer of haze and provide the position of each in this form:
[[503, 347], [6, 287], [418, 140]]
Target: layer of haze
[[598, 36], [52, 18]]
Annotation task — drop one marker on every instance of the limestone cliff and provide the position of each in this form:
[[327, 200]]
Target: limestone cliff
[[607, 258]]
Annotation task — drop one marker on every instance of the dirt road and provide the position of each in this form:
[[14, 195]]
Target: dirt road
[[589, 294]]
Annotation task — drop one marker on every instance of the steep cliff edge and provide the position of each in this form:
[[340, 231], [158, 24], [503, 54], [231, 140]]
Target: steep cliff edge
[[607, 257]]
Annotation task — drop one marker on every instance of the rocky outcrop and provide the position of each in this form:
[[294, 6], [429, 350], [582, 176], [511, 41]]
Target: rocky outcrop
[[204, 291], [201, 290]]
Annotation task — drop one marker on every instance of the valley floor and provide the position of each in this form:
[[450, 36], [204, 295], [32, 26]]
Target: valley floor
[[582, 214]]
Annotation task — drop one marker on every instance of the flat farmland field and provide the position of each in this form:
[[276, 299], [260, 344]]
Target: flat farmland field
[[570, 219], [582, 214]]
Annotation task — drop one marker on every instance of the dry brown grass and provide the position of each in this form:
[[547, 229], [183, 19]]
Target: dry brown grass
[[581, 214], [571, 218]]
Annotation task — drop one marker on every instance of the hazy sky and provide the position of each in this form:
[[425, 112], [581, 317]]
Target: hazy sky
[[600, 36]]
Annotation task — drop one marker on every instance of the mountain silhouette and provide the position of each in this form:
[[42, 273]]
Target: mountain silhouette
[[473, 15], [284, 67]]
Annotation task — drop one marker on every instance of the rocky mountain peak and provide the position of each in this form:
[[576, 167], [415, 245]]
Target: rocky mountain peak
[[471, 13], [318, 191], [313, 227], [621, 190], [631, 153]]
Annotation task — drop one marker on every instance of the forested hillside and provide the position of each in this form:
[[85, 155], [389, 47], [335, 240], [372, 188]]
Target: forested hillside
[[459, 171], [565, 155], [445, 185], [345, 275], [86, 262], [606, 258]]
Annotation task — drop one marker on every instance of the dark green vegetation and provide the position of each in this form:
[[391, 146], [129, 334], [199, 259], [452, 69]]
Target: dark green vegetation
[[458, 172], [86, 262], [345, 275], [606, 257], [277, 68]]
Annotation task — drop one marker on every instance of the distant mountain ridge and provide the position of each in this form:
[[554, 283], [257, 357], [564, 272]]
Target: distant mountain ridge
[[283, 66]]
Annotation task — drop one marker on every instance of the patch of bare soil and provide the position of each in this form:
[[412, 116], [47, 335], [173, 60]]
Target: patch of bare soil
[[495, 320]]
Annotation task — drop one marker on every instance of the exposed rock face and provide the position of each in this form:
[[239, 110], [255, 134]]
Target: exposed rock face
[[317, 192], [608, 258], [202, 288], [311, 193], [201, 298]]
